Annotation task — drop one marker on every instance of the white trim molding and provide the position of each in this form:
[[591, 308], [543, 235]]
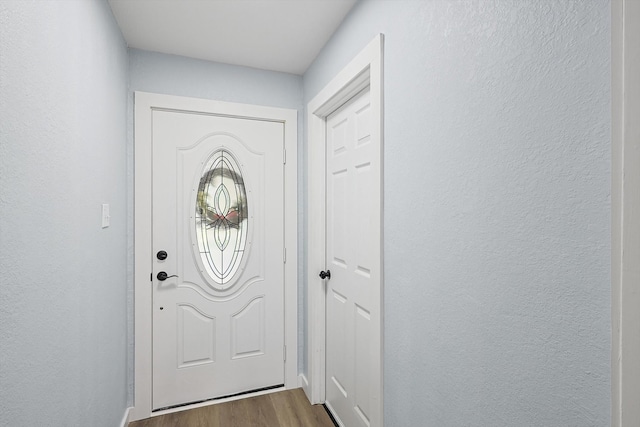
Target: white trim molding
[[125, 417], [625, 213], [303, 383], [145, 103], [365, 70]]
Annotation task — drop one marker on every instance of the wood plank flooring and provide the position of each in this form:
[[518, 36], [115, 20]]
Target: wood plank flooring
[[289, 408]]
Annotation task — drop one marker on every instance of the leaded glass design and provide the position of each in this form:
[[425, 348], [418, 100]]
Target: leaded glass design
[[221, 217]]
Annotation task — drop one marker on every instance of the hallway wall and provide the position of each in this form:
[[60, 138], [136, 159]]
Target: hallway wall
[[497, 207], [63, 99]]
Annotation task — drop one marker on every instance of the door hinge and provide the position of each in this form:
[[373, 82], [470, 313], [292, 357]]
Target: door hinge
[[284, 255], [284, 156], [284, 353], [151, 276]]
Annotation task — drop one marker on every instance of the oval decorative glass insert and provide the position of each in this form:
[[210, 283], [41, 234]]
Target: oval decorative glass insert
[[221, 217]]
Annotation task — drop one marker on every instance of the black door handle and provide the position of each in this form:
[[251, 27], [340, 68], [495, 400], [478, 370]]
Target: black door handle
[[162, 276], [325, 274]]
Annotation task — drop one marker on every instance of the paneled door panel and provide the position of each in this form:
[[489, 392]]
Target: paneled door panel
[[350, 188], [218, 317]]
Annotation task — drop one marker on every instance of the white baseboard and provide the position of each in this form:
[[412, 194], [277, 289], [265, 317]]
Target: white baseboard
[[125, 418], [304, 383]]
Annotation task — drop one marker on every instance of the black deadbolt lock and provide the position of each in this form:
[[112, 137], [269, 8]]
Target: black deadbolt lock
[[161, 255]]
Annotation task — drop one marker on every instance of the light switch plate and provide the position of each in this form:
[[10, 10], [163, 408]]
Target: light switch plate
[[106, 218]]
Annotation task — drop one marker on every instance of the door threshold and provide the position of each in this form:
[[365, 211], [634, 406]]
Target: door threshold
[[215, 400], [333, 420]]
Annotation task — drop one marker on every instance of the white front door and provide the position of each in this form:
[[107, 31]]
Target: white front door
[[218, 235], [353, 261]]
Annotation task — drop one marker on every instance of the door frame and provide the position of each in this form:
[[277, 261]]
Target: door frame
[[145, 103], [365, 70], [625, 213]]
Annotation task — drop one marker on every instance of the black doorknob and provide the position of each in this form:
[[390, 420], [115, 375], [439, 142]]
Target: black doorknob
[[162, 276], [161, 255], [325, 274]]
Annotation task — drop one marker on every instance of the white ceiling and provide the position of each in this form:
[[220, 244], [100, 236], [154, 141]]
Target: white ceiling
[[279, 35]]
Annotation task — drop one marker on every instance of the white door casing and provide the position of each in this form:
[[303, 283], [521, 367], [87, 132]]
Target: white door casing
[[218, 325], [625, 213], [276, 119], [364, 71], [352, 256]]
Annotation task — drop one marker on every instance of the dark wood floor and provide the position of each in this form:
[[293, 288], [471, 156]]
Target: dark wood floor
[[288, 408]]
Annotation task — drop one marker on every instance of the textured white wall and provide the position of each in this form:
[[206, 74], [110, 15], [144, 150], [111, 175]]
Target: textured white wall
[[497, 208], [497, 254], [176, 75], [63, 100]]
